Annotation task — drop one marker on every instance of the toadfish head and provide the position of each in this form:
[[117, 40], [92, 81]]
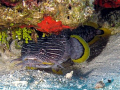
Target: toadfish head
[[46, 53]]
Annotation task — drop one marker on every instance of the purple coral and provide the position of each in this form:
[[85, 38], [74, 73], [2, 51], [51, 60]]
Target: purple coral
[[9, 3], [28, 3]]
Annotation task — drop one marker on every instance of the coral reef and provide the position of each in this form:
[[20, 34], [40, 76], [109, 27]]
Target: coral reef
[[9, 36], [106, 15], [31, 12], [9, 3]]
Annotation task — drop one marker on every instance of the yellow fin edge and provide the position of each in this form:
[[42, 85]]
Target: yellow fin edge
[[92, 24], [96, 38], [47, 63], [107, 32], [33, 68], [86, 53]]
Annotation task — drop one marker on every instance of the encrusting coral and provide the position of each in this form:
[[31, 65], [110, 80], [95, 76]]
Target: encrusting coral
[[31, 12]]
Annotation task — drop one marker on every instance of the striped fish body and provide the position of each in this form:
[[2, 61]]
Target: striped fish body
[[47, 52]]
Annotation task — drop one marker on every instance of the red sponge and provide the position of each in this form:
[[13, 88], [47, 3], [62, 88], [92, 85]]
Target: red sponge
[[108, 3]]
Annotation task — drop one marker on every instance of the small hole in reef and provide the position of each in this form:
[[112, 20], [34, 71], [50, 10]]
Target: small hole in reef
[[68, 17], [8, 3], [40, 1], [69, 7], [20, 10]]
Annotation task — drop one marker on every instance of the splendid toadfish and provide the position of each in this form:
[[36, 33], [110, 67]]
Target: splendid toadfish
[[53, 50]]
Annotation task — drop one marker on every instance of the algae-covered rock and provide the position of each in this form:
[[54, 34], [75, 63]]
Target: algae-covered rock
[[71, 12]]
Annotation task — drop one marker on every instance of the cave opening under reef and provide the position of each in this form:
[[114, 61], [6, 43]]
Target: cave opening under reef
[[99, 72]]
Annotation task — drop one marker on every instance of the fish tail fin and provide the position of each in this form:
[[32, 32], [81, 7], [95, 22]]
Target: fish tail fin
[[106, 33], [101, 33]]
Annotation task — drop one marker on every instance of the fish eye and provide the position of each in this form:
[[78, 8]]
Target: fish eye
[[42, 51]]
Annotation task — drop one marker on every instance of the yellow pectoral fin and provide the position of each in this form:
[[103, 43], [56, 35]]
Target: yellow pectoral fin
[[57, 71], [86, 52]]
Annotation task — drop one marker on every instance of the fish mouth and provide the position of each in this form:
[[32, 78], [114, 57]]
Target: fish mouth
[[33, 61], [36, 60]]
